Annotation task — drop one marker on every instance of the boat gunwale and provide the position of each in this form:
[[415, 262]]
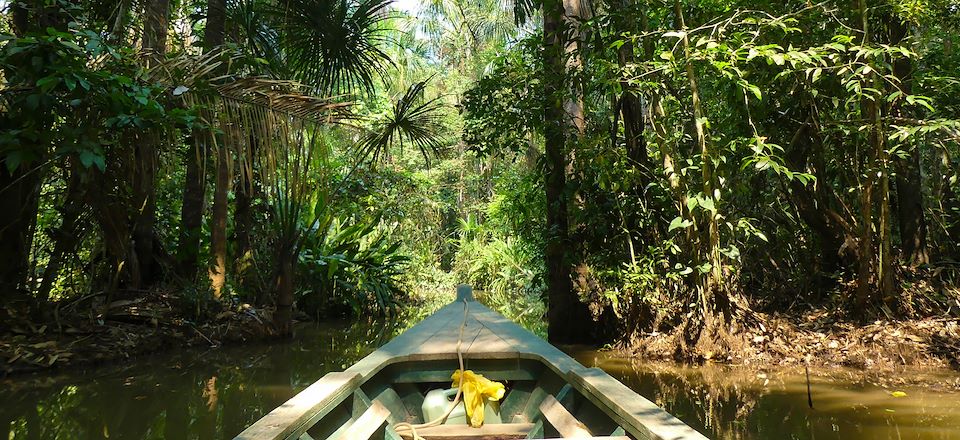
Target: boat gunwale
[[637, 415]]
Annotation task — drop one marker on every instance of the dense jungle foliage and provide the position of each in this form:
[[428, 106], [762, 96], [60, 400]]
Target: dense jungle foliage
[[606, 171]]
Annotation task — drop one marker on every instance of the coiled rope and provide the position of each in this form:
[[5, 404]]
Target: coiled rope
[[405, 426]]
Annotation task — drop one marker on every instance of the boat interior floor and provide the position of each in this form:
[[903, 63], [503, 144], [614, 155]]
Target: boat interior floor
[[538, 404]]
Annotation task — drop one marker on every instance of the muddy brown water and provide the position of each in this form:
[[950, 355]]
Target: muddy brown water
[[215, 393]]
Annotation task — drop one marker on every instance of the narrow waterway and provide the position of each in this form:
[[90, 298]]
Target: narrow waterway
[[214, 394]]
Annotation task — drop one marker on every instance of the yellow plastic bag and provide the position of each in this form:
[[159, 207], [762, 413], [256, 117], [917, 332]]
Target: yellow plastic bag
[[476, 391]]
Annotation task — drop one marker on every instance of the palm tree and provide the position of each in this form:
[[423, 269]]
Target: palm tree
[[328, 48], [249, 25], [460, 29], [412, 120], [337, 46]]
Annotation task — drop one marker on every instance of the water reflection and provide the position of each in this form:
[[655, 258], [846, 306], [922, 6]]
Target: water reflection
[[214, 394], [198, 394], [741, 403]]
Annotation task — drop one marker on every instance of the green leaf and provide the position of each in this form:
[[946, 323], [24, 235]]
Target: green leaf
[[762, 163], [47, 83], [13, 160], [71, 45], [679, 222], [707, 203], [90, 158]]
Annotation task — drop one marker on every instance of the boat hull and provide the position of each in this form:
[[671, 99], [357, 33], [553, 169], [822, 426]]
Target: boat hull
[[547, 390]]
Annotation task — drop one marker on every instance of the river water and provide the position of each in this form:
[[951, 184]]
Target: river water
[[215, 393]]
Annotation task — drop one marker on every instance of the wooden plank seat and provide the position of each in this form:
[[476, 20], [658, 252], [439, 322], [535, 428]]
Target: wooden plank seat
[[463, 432], [565, 423], [368, 423], [621, 437], [397, 374]]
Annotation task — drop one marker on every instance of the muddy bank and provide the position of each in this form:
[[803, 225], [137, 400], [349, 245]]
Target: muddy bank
[[821, 339], [124, 329], [818, 338]]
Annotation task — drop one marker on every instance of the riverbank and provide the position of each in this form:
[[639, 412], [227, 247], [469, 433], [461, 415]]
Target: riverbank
[[203, 393], [822, 339], [817, 337], [127, 329], [123, 330]]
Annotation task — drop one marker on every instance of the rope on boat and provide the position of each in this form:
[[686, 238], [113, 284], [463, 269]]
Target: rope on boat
[[456, 400]]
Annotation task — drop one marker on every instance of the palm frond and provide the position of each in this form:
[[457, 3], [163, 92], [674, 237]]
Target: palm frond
[[336, 46], [412, 120], [249, 25], [287, 97], [189, 70]]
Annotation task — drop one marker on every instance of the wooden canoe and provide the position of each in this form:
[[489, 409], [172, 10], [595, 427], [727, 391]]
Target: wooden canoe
[[549, 395]]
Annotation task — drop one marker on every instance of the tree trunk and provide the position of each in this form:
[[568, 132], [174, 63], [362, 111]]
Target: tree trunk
[[20, 18], [713, 279], [191, 213], [865, 244], [218, 226], [284, 314], [19, 200], [568, 320], [213, 39], [819, 208], [631, 106], [20, 187], [111, 212], [155, 24], [145, 205], [865, 266], [156, 18], [245, 190], [67, 236], [913, 224], [878, 144], [36, 15], [194, 190], [216, 22]]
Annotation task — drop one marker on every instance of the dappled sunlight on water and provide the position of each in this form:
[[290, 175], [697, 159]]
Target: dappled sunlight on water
[[199, 394], [215, 393], [746, 403]]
